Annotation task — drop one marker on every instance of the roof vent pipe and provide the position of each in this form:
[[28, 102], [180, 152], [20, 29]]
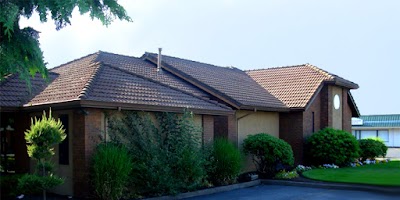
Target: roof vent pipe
[[159, 59]]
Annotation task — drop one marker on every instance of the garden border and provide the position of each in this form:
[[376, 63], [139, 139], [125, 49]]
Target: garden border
[[209, 191]]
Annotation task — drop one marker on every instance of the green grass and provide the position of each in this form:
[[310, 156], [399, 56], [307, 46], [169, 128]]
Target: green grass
[[383, 174]]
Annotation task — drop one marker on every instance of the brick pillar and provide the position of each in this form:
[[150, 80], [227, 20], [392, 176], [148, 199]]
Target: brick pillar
[[87, 128], [232, 129], [208, 129]]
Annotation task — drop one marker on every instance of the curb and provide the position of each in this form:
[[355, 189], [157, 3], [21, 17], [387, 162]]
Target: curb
[[339, 186], [208, 191]]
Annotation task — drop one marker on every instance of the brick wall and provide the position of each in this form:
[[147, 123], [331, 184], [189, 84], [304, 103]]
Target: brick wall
[[232, 129], [86, 129], [315, 108], [208, 129], [326, 107], [291, 130]]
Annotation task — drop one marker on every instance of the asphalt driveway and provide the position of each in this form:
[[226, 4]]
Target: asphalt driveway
[[277, 192]]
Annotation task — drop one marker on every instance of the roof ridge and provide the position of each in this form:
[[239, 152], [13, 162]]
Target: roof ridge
[[321, 71], [59, 66], [278, 67], [86, 89], [166, 85], [226, 67], [106, 52]]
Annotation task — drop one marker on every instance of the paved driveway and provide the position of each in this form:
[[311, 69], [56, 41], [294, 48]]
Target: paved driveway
[[276, 192]]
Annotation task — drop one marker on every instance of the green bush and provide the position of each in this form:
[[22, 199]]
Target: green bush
[[35, 184], [225, 162], [372, 148], [8, 183], [268, 152], [112, 166], [43, 135], [167, 151], [331, 146]]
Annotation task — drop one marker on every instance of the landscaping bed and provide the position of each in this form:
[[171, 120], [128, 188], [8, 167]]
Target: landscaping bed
[[382, 174]]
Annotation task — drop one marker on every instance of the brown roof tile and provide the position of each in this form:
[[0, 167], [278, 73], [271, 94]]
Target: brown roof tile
[[295, 85], [105, 77], [232, 83]]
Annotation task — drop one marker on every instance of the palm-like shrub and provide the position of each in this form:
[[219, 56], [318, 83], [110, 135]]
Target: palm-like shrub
[[268, 152], [331, 146], [112, 166], [225, 162]]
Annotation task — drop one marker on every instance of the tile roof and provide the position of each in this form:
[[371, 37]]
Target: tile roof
[[380, 121], [105, 77], [295, 85], [14, 92], [231, 83]]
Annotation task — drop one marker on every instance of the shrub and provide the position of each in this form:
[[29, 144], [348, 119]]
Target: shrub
[[331, 146], [8, 183], [268, 152], [225, 162], [35, 184], [43, 135], [167, 153], [111, 169], [371, 148]]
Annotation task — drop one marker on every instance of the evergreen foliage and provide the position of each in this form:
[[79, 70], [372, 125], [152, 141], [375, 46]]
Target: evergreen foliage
[[166, 151], [331, 146], [41, 138], [372, 148], [19, 48], [268, 153], [112, 166], [225, 162]]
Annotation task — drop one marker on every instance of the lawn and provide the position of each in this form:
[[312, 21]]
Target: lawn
[[384, 174]]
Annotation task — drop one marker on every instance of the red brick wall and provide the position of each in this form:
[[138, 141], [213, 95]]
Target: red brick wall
[[308, 119], [208, 129], [346, 112], [291, 130], [326, 107], [232, 129], [86, 129]]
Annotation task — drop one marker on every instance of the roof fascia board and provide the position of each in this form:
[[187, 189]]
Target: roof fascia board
[[314, 96], [267, 109], [126, 106], [196, 83], [353, 105], [373, 127]]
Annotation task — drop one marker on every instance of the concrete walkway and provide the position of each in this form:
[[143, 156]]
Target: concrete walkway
[[293, 192]]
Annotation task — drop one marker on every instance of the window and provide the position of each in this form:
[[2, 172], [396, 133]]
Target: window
[[313, 122], [63, 158], [368, 134], [384, 135]]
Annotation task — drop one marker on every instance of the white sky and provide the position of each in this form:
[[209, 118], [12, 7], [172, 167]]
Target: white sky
[[358, 40]]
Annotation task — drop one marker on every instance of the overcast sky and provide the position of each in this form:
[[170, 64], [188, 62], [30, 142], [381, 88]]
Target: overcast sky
[[358, 40]]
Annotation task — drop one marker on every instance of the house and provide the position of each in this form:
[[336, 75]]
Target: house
[[385, 127], [289, 102], [316, 99]]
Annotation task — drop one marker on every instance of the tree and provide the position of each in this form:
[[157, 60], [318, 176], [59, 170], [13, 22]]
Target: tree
[[19, 48], [42, 136]]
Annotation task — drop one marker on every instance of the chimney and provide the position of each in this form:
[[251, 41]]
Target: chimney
[[159, 60]]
